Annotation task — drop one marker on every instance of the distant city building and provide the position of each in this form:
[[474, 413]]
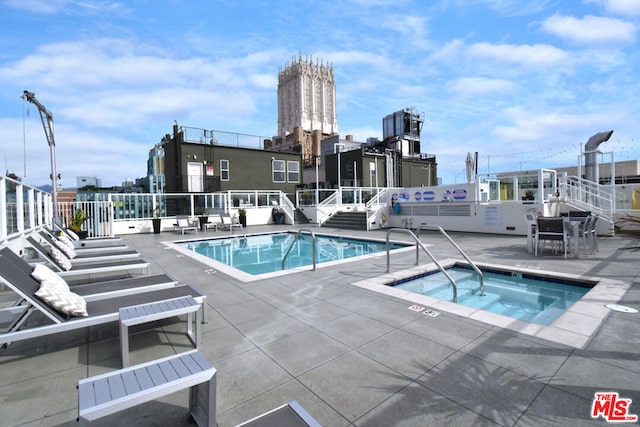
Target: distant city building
[[88, 181], [373, 164], [199, 165], [402, 129], [155, 167], [306, 108]]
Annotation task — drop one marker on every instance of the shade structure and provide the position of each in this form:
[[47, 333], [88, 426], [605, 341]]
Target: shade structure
[[470, 168]]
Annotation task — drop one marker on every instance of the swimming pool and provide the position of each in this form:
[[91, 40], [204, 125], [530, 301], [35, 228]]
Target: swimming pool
[[520, 296], [263, 254]]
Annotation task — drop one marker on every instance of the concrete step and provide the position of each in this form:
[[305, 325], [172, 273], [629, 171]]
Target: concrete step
[[348, 220]]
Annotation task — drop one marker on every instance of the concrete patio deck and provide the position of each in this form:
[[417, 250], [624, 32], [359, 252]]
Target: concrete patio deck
[[348, 355]]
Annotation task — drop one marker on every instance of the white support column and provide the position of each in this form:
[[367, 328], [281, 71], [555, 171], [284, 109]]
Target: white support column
[[3, 212], [31, 208], [19, 208], [39, 210]]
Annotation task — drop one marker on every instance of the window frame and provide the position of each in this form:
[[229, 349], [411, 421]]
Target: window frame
[[224, 169], [289, 172], [282, 171]]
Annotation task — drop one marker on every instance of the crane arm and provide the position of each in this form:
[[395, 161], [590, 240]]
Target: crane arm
[[45, 116], [47, 123]]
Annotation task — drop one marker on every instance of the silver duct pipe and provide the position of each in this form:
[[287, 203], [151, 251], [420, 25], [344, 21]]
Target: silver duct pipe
[[592, 172]]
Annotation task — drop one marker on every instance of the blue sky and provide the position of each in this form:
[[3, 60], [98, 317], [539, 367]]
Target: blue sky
[[524, 83]]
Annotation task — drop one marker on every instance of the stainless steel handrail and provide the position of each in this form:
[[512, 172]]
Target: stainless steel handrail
[[295, 239], [424, 248], [444, 233]]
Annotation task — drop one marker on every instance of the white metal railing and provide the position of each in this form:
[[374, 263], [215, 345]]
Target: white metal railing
[[327, 202], [23, 208], [128, 207], [375, 204], [328, 207], [599, 199]]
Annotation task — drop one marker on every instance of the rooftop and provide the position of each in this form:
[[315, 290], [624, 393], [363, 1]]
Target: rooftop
[[348, 355]]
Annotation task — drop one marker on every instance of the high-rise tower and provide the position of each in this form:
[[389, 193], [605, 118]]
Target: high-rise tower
[[306, 105]]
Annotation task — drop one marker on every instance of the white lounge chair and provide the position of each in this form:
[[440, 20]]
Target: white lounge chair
[[226, 222], [62, 265], [101, 310], [183, 223], [94, 255]]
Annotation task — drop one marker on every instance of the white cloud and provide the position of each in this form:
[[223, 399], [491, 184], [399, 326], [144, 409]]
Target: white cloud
[[514, 7], [591, 29], [538, 55], [619, 7], [65, 6], [470, 87], [536, 125], [143, 85]]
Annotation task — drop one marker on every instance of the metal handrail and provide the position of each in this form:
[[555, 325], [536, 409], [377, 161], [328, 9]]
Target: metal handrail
[[464, 255], [589, 195], [424, 248], [295, 239]]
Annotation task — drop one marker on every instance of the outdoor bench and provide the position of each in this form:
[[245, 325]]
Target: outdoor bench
[[149, 312], [109, 393]]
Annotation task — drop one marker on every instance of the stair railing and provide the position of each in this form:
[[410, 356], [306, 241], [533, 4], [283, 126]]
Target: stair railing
[[424, 248], [295, 239], [455, 245]]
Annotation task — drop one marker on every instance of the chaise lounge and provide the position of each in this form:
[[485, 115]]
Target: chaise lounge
[[63, 266], [101, 309], [80, 256], [183, 223]]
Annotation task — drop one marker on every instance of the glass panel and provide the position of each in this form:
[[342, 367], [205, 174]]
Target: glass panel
[[294, 171], [278, 171], [528, 187]]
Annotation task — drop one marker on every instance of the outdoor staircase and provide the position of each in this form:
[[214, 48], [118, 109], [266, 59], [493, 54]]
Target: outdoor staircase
[[348, 220], [299, 217]]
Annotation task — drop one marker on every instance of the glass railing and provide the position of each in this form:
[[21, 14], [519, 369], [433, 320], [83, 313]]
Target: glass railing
[[23, 208]]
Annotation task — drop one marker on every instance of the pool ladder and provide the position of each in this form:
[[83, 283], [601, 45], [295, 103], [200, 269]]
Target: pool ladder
[[295, 239], [435, 261]]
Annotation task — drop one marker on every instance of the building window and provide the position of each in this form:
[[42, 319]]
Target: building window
[[224, 170], [278, 171], [293, 169]]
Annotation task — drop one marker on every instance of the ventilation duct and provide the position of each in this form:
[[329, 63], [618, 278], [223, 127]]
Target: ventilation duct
[[591, 155]]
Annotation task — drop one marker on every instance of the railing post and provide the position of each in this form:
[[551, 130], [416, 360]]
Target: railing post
[[3, 213], [31, 207], [19, 208]]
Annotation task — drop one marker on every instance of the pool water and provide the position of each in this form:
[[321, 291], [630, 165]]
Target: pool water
[[525, 297], [262, 254]]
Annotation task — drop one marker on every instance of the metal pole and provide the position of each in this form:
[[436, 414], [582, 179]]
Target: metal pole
[[47, 123], [317, 182], [339, 180]]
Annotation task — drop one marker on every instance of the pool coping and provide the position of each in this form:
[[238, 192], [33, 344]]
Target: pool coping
[[574, 327], [247, 277]]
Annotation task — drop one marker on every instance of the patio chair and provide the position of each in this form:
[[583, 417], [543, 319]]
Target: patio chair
[[100, 311], [91, 242], [551, 229], [584, 224], [183, 223], [80, 256], [85, 246], [97, 289], [593, 233], [228, 223], [63, 266]]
